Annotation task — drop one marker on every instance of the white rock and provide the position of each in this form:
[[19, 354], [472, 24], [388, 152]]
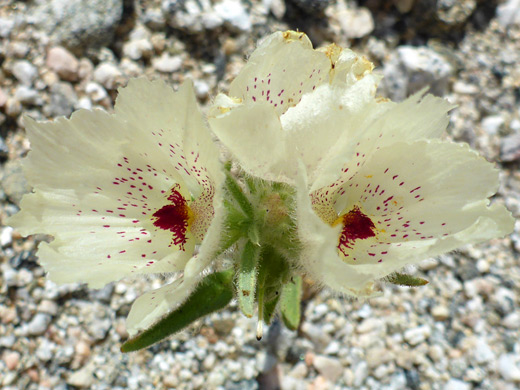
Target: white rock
[[107, 75], [329, 368], [25, 72], [360, 373], [456, 384], [215, 379], [6, 26], [483, 352], [209, 362], [508, 13], [417, 335], [137, 49], [95, 91], [512, 321], [82, 378], [38, 324], [508, 367], [233, 12], [27, 95], [356, 23], [6, 236], [491, 124], [167, 64], [84, 102], [370, 325]]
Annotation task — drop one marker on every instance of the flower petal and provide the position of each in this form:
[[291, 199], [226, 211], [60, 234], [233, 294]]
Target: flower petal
[[280, 71], [422, 199], [99, 180], [332, 113], [153, 305], [252, 132], [379, 124]]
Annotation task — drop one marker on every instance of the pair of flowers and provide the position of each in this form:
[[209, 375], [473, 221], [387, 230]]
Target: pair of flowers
[[333, 183]]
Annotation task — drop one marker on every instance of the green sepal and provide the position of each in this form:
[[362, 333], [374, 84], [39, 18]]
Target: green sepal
[[290, 302], [270, 309], [239, 196], [253, 234], [212, 294], [246, 280], [406, 280]]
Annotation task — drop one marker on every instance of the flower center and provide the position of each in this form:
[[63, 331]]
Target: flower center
[[176, 217], [356, 226]]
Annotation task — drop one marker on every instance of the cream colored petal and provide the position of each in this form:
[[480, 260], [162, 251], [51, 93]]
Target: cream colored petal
[[424, 198], [319, 255], [381, 124], [329, 115], [280, 71], [100, 178], [153, 305], [253, 134]]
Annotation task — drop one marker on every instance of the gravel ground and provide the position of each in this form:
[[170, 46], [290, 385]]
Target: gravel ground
[[460, 332]]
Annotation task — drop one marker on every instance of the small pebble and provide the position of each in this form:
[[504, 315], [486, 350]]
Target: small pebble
[[167, 64], [25, 72], [11, 359], [63, 62]]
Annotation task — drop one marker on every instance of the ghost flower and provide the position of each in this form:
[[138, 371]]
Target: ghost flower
[[125, 194], [376, 187]]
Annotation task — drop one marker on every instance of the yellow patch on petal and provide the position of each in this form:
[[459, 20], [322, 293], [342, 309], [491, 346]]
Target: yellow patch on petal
[[293, 35]]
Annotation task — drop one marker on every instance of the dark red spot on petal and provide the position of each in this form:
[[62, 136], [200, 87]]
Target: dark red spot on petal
[[174, 217], [356, 226]]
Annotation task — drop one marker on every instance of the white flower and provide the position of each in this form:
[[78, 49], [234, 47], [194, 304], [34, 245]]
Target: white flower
[[128, 193], [291, 102], [376, 187]]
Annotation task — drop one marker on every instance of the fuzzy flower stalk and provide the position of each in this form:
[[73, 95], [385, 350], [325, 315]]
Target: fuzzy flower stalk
[[326, 181]]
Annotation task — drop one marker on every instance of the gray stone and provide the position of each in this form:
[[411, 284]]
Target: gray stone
[[25, 72], [38, 324], [510, 148], [190, 15], [454, 12], [13, 181], [411, 69], [99, 328], [28, 95], [63, 100], [78, 23]]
